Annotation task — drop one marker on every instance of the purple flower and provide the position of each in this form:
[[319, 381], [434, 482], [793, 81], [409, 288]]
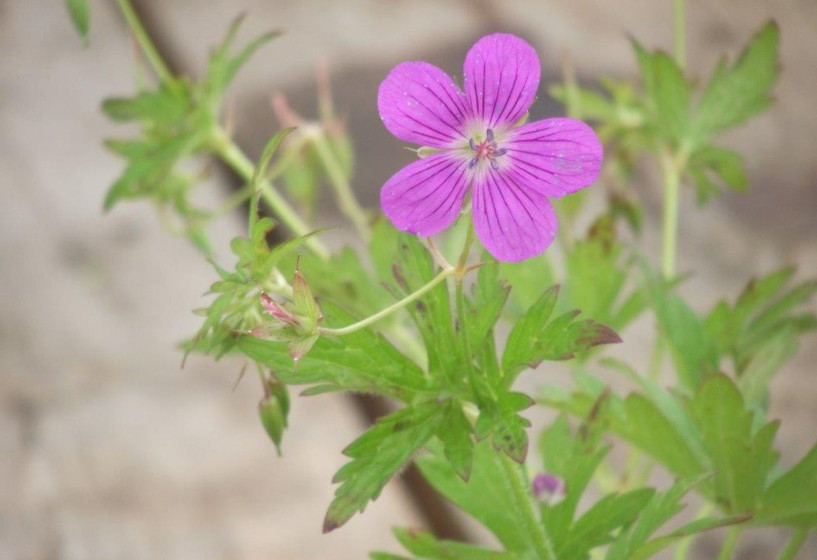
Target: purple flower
[[512, 170]]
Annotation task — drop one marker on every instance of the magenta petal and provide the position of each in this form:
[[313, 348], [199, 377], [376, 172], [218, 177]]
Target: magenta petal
[[425, 197], [512, 222], [501, 78], [554, 157], [421, 104]]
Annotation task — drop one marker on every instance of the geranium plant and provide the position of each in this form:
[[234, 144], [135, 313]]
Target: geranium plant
[[445, 301]]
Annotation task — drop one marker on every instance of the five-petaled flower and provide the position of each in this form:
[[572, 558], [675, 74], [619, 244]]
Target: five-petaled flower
[[511, 170]]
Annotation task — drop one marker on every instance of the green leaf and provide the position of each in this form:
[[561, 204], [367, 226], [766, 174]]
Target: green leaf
[[377, 456], [641, 423], [741, 458], [590, 104], [488, 297], [710, 166], [80, 13], [668, 94], [426, 546], [668, 408], [273, 410], [693, 352], [662, 507], [537, 337], [526, 279], [574, 459], [362, 361], [596, 526], [693, 528], [792, 498], [405, 266], [741, 91], [456, 435], [485, 496], [499, 419], [765, 361], [224, 66], [596, 277]]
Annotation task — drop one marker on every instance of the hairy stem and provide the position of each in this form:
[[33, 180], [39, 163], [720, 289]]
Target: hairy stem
[[392, 308], [794, 545], [343, 190], [525, 509], [145, 43], [238, 161]]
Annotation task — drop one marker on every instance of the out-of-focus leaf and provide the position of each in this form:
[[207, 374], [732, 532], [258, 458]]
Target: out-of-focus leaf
[[80, 12], [427, 547], [792, 498], [738, 92]]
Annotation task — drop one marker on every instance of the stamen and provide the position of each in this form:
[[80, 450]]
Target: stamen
[[494, 164], [490, 134], [500, 152], [472, 144], [473, 163]]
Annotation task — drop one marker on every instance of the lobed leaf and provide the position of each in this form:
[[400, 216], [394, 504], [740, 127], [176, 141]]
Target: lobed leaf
[[377, 456]]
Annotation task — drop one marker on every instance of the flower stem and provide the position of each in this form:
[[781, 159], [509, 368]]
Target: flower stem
[[794, 545], [145, 43], [679, 21], [520, 493], [343, 190], [238, 161], [392, 308], [730, 543]]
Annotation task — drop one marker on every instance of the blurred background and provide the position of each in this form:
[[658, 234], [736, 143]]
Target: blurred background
[[111, 450]]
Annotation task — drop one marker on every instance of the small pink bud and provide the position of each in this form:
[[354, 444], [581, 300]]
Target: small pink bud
[[271, 307], [548, 488]]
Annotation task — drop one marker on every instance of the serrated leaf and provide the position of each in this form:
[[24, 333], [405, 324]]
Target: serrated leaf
[[595, 528], [507, 429], [405, 266], [662, 507], [693, 352], [377, 456], [488, 297], [671, 409], [741, 458], [792, 498], [668, 94], [574, 459], [536, 336], [456, 435], [484, 496], [711, 166], [224, 66], [736, 93], [80, 12], [698, 526], [596, 277], [362, 362], [641, 423]]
